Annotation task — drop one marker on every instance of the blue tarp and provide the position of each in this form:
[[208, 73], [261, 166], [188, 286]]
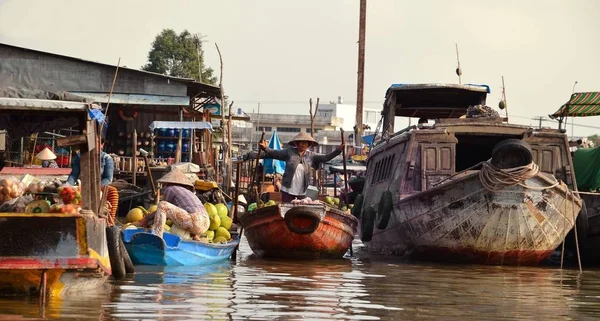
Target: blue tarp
[[273, 166]]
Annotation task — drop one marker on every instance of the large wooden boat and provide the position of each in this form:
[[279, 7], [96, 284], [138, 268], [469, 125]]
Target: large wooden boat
[[299, 231], [54, 254], [465, 189]]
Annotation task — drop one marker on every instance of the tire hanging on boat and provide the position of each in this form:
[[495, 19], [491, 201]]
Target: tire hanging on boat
[[358, 203], [367, 224], [511, 153], [302, 212], [384, 210], [113, 241], [129, 268]]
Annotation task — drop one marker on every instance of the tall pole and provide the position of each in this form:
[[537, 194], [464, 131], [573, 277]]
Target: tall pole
[[573, 118], [361, 72]]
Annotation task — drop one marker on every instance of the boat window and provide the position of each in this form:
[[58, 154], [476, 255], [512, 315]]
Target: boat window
[[473, 149], [383, 169]]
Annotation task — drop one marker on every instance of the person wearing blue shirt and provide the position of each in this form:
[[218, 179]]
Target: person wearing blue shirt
[[107, 167]]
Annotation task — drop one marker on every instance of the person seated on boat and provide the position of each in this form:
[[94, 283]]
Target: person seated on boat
[[296, 179], [107, 167], [422, 123], [48, 158], [180, 205]]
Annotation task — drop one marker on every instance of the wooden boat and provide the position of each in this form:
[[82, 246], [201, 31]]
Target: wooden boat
[[54, 254], [299, 231], [170, 250], [471, 189]]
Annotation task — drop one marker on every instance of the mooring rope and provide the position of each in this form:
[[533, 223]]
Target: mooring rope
[[495, 179]]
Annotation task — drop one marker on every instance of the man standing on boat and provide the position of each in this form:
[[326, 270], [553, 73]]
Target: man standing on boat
[[296, 178], [180, 205]]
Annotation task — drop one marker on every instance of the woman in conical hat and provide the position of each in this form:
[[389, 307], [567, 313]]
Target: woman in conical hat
[[180, 205], [48, 158], [299, 160]]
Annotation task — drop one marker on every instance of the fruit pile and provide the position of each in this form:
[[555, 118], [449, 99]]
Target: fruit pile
[[253, 206], [10, 188], [336, 203], [138, 213], [65, 208], [220, 223], [70, 194]]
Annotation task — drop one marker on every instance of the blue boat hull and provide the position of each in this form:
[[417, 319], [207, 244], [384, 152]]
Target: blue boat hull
[[148, 249]]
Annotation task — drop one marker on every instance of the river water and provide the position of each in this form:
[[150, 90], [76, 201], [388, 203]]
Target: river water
[[364, 287]]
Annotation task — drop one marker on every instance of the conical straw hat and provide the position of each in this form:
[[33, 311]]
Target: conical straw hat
[[45, 154], [176, 176], [303, 137]]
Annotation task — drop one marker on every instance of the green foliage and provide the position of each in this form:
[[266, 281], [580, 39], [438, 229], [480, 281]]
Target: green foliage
[[179, 55]]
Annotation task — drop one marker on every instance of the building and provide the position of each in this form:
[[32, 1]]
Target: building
[[137, 99], [330, 118]]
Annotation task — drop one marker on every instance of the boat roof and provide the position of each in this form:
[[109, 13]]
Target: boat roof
[[580, 105], [433, 101]]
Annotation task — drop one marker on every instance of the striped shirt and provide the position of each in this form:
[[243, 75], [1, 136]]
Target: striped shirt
[[182, 198]]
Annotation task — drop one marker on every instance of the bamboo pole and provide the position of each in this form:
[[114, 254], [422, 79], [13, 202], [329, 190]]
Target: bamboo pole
[[229, 150], [222, 114]]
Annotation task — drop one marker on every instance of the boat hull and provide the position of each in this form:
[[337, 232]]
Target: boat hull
[[68, 251], [269, 235], [170, 250], [461, 221]]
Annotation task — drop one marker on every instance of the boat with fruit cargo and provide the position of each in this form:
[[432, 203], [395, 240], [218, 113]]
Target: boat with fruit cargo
[[66, 251], [173, 250], [299, 230], [469, 188]]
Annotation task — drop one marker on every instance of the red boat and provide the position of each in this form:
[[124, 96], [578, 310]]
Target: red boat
[[299, 231]]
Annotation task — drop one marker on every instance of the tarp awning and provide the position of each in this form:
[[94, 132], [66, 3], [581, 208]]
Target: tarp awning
[[586, 162], [181, 125], [580, 105]]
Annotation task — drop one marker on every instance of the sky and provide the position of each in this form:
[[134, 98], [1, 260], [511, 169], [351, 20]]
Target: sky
[[281, 53]]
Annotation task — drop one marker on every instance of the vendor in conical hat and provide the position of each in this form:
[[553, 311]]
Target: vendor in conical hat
[[180, 205], [48, 158], [299, 160]]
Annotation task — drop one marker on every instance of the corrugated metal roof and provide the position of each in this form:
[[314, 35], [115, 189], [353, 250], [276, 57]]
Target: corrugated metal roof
[[42, 104]]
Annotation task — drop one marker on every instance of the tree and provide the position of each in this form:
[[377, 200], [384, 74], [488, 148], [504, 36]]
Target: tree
[[179, 55]]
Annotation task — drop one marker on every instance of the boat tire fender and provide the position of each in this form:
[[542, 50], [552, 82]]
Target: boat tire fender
[[293, 213], [367, 224], [358, 203], [113, 240], [582, 222], [129, 268], [511, 153], [384, 210]]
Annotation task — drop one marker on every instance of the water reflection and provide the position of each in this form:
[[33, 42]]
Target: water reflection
[[361, 288]]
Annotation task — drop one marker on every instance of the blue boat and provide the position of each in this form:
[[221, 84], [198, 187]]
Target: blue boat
[[148, 249]]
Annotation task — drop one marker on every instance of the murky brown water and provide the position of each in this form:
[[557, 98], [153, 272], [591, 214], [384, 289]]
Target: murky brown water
[[361, 288]]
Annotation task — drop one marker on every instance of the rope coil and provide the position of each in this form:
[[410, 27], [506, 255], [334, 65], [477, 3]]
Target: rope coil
[[495, 179]]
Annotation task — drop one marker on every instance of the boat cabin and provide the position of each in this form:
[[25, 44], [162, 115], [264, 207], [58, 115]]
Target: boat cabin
[[455, 134]]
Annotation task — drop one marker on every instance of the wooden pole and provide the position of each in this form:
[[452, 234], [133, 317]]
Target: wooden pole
[[134, 157], [362, 26], [229, 150], [458, 70], [221, 171], [112, 87]]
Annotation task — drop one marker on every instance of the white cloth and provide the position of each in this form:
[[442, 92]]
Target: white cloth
[[297, 187]]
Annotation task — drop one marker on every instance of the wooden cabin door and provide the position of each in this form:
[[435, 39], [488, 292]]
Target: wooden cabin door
[[437, 163]]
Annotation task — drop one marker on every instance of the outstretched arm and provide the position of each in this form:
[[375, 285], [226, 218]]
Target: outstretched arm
[[320, 158]]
